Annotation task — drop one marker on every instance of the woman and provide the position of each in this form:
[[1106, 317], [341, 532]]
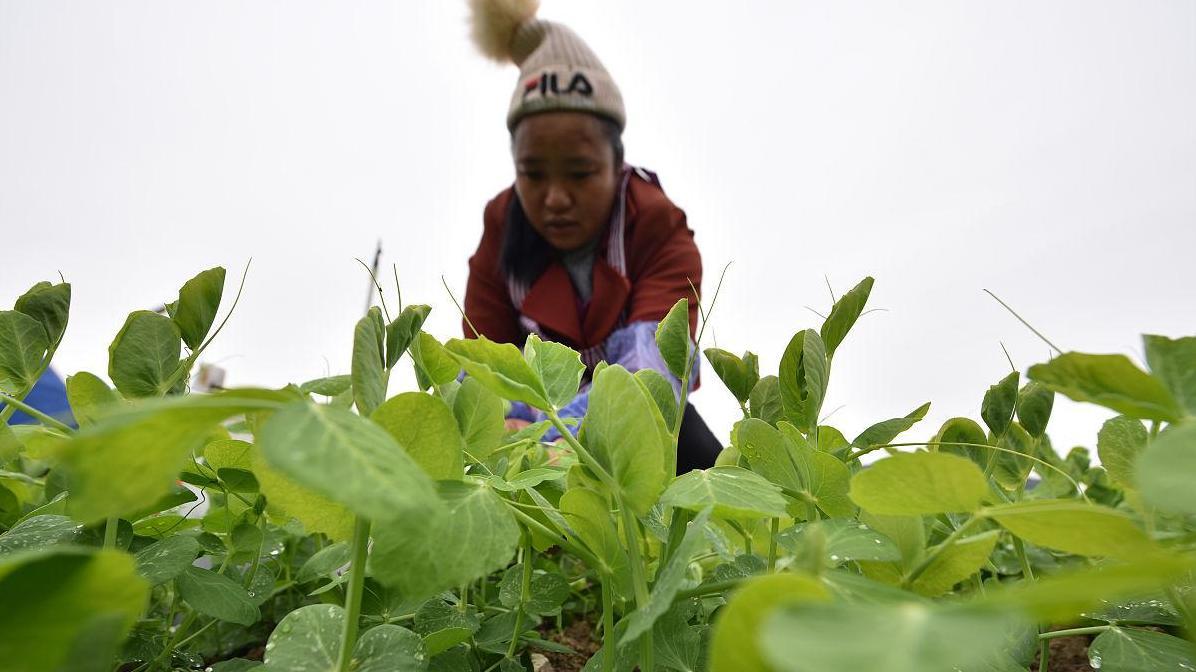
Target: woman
[[582, 249]]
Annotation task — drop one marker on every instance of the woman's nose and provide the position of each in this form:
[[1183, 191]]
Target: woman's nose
[[557, 198]]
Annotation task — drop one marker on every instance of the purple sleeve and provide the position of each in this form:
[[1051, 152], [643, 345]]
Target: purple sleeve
[[633, 347]]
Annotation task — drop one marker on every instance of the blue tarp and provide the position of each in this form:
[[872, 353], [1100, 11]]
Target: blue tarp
[[49, 397]]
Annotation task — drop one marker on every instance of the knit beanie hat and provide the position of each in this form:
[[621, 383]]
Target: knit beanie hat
[[557, 70]]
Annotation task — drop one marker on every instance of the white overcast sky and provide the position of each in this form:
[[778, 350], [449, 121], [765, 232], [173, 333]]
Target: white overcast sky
[[1044, 150]]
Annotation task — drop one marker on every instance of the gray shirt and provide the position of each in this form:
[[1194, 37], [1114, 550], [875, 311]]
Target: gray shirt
[[579, 264]]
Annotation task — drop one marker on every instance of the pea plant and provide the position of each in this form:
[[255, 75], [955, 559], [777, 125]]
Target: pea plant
[[328, 526]]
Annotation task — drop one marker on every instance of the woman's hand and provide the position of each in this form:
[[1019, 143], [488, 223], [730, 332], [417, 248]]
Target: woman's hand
[[515, 424]]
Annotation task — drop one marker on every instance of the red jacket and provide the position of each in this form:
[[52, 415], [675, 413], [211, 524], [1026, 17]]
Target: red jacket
[[637, 281]]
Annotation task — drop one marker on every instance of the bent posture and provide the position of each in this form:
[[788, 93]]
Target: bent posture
[[582, 249]]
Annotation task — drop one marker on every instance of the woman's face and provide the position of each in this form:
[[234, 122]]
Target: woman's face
[[565, 176]]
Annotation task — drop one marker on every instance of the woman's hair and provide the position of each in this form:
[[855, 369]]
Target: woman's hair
[[525, 253]]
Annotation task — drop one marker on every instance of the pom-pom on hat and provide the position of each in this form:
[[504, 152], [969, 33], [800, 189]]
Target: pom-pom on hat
[[557, 69]]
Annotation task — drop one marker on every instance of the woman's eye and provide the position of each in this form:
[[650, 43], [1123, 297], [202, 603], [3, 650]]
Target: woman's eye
[[582, 175], [531, 174]]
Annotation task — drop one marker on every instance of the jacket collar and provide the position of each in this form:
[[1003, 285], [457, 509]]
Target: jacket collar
[[552, 302]]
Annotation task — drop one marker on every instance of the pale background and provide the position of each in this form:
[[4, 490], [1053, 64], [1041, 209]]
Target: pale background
[[1044, 150]]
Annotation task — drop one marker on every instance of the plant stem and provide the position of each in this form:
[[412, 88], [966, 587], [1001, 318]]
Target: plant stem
[[934, 555], [111, 526], [361, 538], [677, 525], [1044, 655], [18, 405], [772, 544], [1092, 630], [631, 532], [608, 625], [1021, 554], [197, 633], [708, 589], [602, 473], [464, 601], [525, 591], [170, 646]]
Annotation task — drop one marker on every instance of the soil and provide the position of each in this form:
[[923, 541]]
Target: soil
[[578, 636], [1068, 654]]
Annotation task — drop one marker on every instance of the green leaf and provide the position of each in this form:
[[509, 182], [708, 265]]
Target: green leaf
[[325, 561], [479, 414], [734, 645], [1064, 596], [228, 454], [238, 480], [626, 434], [590, 521], [558, 367], [789, 461], [731, 492], [236, 665], [23, 345], [662, 392], [1172, 361], [910, 637], [844, 314], [1155, 609], [199, 299], [914, 484], [999, 404], [368, 370], [672, 338], [473, 534], [39, 532], [842, 540], [442, 640], [1034, 403], [885, 431], [346, 458], [549, 591], [1111, 381], [956, 563], [436, 615], [765, 402], [425, 427], [501, 368], [101, 458], [10, 445], [50, 305], [803, 378], [404, 329], [308, 639], [668, 581], [89, 397], [328, 387], [1013, 465], [164, 560], [1163, 473], [287, 499], [144, 355], [740, 375], [434, 365], [679, 645], [216, 595], [526, 479], [957, 432], [1134, 650], [1073, 527], [1119, 443], [64, 603]]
